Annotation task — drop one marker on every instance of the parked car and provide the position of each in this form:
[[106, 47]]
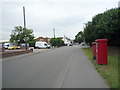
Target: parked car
[[42, 45], [18, 46], [6, 45], [12, 47]]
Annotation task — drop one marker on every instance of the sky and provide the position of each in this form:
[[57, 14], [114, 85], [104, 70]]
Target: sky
[[67, 17]]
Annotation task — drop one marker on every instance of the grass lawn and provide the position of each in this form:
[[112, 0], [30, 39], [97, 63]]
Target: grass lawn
[[108, 72]]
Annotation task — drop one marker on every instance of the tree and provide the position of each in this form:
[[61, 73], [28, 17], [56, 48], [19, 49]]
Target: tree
[[104, 26], [19, 33], [79, 37], [89, 33], [57, 42]]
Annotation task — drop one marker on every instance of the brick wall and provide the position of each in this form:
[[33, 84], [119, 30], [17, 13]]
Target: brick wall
[[2, 49], [8, 54]]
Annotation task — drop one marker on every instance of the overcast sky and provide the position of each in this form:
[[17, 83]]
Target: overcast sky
[[66, 16]]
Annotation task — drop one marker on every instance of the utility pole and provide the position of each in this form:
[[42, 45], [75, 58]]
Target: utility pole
[[24, 26], [24, 17], [54, 32]]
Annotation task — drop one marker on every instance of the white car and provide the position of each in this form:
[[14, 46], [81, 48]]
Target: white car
[[6, 45], [42, 45]]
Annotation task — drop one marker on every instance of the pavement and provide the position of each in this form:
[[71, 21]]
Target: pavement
[[65, 67], [39, 50], [35, 51]]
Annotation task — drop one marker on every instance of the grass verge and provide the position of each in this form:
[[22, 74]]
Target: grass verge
[[108, 72]]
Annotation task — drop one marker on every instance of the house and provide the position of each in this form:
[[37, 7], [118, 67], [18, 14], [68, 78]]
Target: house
[[42, 39], [67, 41]]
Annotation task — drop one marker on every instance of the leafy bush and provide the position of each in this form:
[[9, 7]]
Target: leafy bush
[[57, 42], [104, 26], [32, 43]]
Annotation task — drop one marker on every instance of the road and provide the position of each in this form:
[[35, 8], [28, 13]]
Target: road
[[65, 67]]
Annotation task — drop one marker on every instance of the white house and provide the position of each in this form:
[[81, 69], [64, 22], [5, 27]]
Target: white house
[[67, 41]]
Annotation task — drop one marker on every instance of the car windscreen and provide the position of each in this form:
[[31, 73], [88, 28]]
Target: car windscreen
[[45, 44]]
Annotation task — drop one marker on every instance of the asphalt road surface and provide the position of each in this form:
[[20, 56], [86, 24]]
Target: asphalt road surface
[[65, 67]]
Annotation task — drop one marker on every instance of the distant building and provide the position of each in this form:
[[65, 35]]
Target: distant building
[[67, 41], [42, 39]]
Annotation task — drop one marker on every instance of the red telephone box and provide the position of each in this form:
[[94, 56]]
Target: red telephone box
[[101, 51], [94, 50]]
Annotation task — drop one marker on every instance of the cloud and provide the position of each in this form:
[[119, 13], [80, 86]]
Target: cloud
[[66, 16], [61, 1]]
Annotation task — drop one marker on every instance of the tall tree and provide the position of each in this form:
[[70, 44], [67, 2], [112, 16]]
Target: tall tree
[[104, 26], [19, 35]]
